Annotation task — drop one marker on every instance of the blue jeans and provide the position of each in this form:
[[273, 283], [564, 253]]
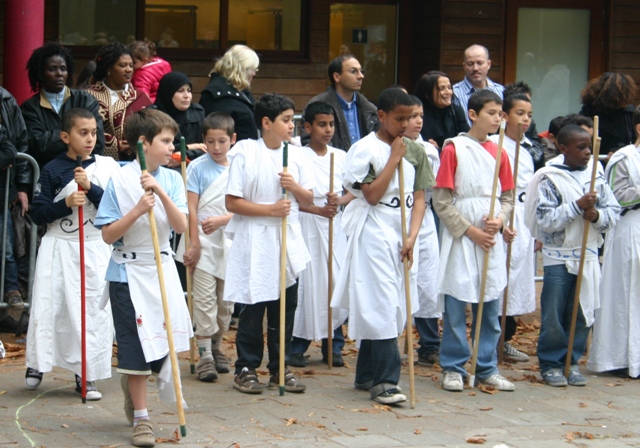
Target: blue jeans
[[10, 267], [556, 302], [429, 335], [455, 351], [378, 365], [299, 345]]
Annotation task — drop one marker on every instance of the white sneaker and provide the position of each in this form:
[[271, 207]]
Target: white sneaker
[[512, 353], [452, 381], [499, 382]]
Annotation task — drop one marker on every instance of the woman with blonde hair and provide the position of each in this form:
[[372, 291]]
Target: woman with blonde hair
[[228, 89]]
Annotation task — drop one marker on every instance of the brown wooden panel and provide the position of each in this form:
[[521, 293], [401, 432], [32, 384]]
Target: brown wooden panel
[[462, 41], [626, 45], [626, 13], [474, 27], [320, 38], [623, 61], [472, 10], [319, 21], [289, 86], [625, 29], [453, 57]]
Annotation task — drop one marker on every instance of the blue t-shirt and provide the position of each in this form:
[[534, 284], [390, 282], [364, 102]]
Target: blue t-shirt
[[109, 212], [202, 172]]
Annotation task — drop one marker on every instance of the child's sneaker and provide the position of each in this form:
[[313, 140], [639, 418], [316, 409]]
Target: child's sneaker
[[452, 381], [33, 378], [221, 361], [513, 354], [143, 434], [247, 381], [554, 378], [430, 359], [291, 384], [297, 360], [92, 392], [128, 401], [576, 378], [391, 396], [14, 299], [206, 370], [499, 382]]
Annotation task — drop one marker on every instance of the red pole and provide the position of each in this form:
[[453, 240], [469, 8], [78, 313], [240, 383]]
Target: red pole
[[83, 297], [23, 33]]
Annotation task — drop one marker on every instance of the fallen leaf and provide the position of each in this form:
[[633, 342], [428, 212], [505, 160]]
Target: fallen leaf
[[488, 389], [292, 421], [64, 425], [610, 405], [614, 384], [583, 405], [488, 408], [176, 434], [417, 431], [362, 429], [476, 440], [472, 394], [2, 392], [382, 407], [163, 440]]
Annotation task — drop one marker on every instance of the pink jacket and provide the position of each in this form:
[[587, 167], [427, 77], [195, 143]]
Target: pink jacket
[[147, 78]]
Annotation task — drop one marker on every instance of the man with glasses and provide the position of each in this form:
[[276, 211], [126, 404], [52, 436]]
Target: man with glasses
[[355, 115], [476, 66]]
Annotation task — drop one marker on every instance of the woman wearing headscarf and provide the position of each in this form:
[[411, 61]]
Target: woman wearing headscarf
[[174, 98], [115, 94], [228, 89]]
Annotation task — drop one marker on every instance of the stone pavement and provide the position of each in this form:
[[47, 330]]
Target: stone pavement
[[331, 413]]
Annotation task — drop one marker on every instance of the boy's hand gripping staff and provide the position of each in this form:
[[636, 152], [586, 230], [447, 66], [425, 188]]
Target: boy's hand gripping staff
[[187, 245], [583, 249], [485, 263], [83, 297], [330, 271], [407, 286], [283, 278], [503, 318], [165, 305]]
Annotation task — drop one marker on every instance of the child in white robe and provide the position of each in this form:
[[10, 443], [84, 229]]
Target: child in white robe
[[54, 336]]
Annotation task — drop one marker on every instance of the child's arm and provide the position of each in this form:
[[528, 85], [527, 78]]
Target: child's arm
[[304, 197], [45, 210], [94, 192], [374, 191], [241, 206], [114, 231], [177, 219], [417, 215], [192, 255], [606, 212]]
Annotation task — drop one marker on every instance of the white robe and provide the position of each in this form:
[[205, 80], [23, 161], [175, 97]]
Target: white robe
[[461, 259], [54, 335], [214, 247], [522, 286], [616, 331], [371, 283], [311, 313]]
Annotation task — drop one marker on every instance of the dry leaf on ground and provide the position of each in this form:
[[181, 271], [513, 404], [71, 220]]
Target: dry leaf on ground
[[476, 440]]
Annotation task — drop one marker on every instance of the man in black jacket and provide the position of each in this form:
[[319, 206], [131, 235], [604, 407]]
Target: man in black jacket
[[355, 115]]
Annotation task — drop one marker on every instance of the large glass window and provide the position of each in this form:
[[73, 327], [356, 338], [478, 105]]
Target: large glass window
[[97, 22]]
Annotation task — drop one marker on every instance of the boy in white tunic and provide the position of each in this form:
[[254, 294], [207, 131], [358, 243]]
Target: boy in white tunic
[[54, 334], [426, 318], [516, 109], [616, 335], [462, 197], [310, 321], [207, 178], [254, 196], [557, 207], [132, 273], [371, 283]]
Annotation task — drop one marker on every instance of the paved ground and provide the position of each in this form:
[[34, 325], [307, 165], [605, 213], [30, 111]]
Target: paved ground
[[331, 413]]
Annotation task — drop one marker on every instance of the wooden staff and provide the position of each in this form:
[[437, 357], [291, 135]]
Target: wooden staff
[[407, 286], [187, 245], [512, 215], [583, 250], [83, 298], [485, 263], [330, 271], [283, 276], [165, 304]]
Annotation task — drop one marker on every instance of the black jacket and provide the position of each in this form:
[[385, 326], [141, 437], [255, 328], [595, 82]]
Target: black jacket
[[443, 123], [220, 96], [190, 129], [44, 124], [616, 128], [13, 139]]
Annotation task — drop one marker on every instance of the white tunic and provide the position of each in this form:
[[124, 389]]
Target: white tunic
[[54, 335], [311, 314], [371, 283], [253, 263], [473, 184], [522, 287], [616, 331]]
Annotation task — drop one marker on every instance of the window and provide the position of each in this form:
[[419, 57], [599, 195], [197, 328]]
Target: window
[[264, 25]]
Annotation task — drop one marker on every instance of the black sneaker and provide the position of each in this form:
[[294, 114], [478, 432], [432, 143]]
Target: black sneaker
[[297, 360], [247, 382], [391, 396], [92, 392], [336, 361], [291, 384], [431, 359]]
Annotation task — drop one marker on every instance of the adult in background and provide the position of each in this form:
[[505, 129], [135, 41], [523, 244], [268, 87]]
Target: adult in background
[[113, 90], [356, 116], [611, 98], [174, 98], [148, 68], [476, 65], [228, 89], [49, 68], [443, 119]]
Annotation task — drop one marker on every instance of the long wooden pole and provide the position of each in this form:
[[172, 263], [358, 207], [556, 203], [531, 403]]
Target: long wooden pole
[[485, 263], [330, 271], [512, 215], [175, 371], [187, 245], [407, 287], [283, 278], [83, 297], [583, 251]]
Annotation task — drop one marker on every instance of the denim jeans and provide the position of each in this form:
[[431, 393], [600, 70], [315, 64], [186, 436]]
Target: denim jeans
[[300, 345], [429, 335], [10, 267], [455, 350], [378, 364], [250, 337], [556, 302]]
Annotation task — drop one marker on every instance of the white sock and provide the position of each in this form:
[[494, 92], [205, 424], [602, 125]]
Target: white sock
[[139, 415], [204, 348]]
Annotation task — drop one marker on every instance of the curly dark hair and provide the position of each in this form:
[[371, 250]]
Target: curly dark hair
[[106, 58], [609, 92], [36, 62]]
